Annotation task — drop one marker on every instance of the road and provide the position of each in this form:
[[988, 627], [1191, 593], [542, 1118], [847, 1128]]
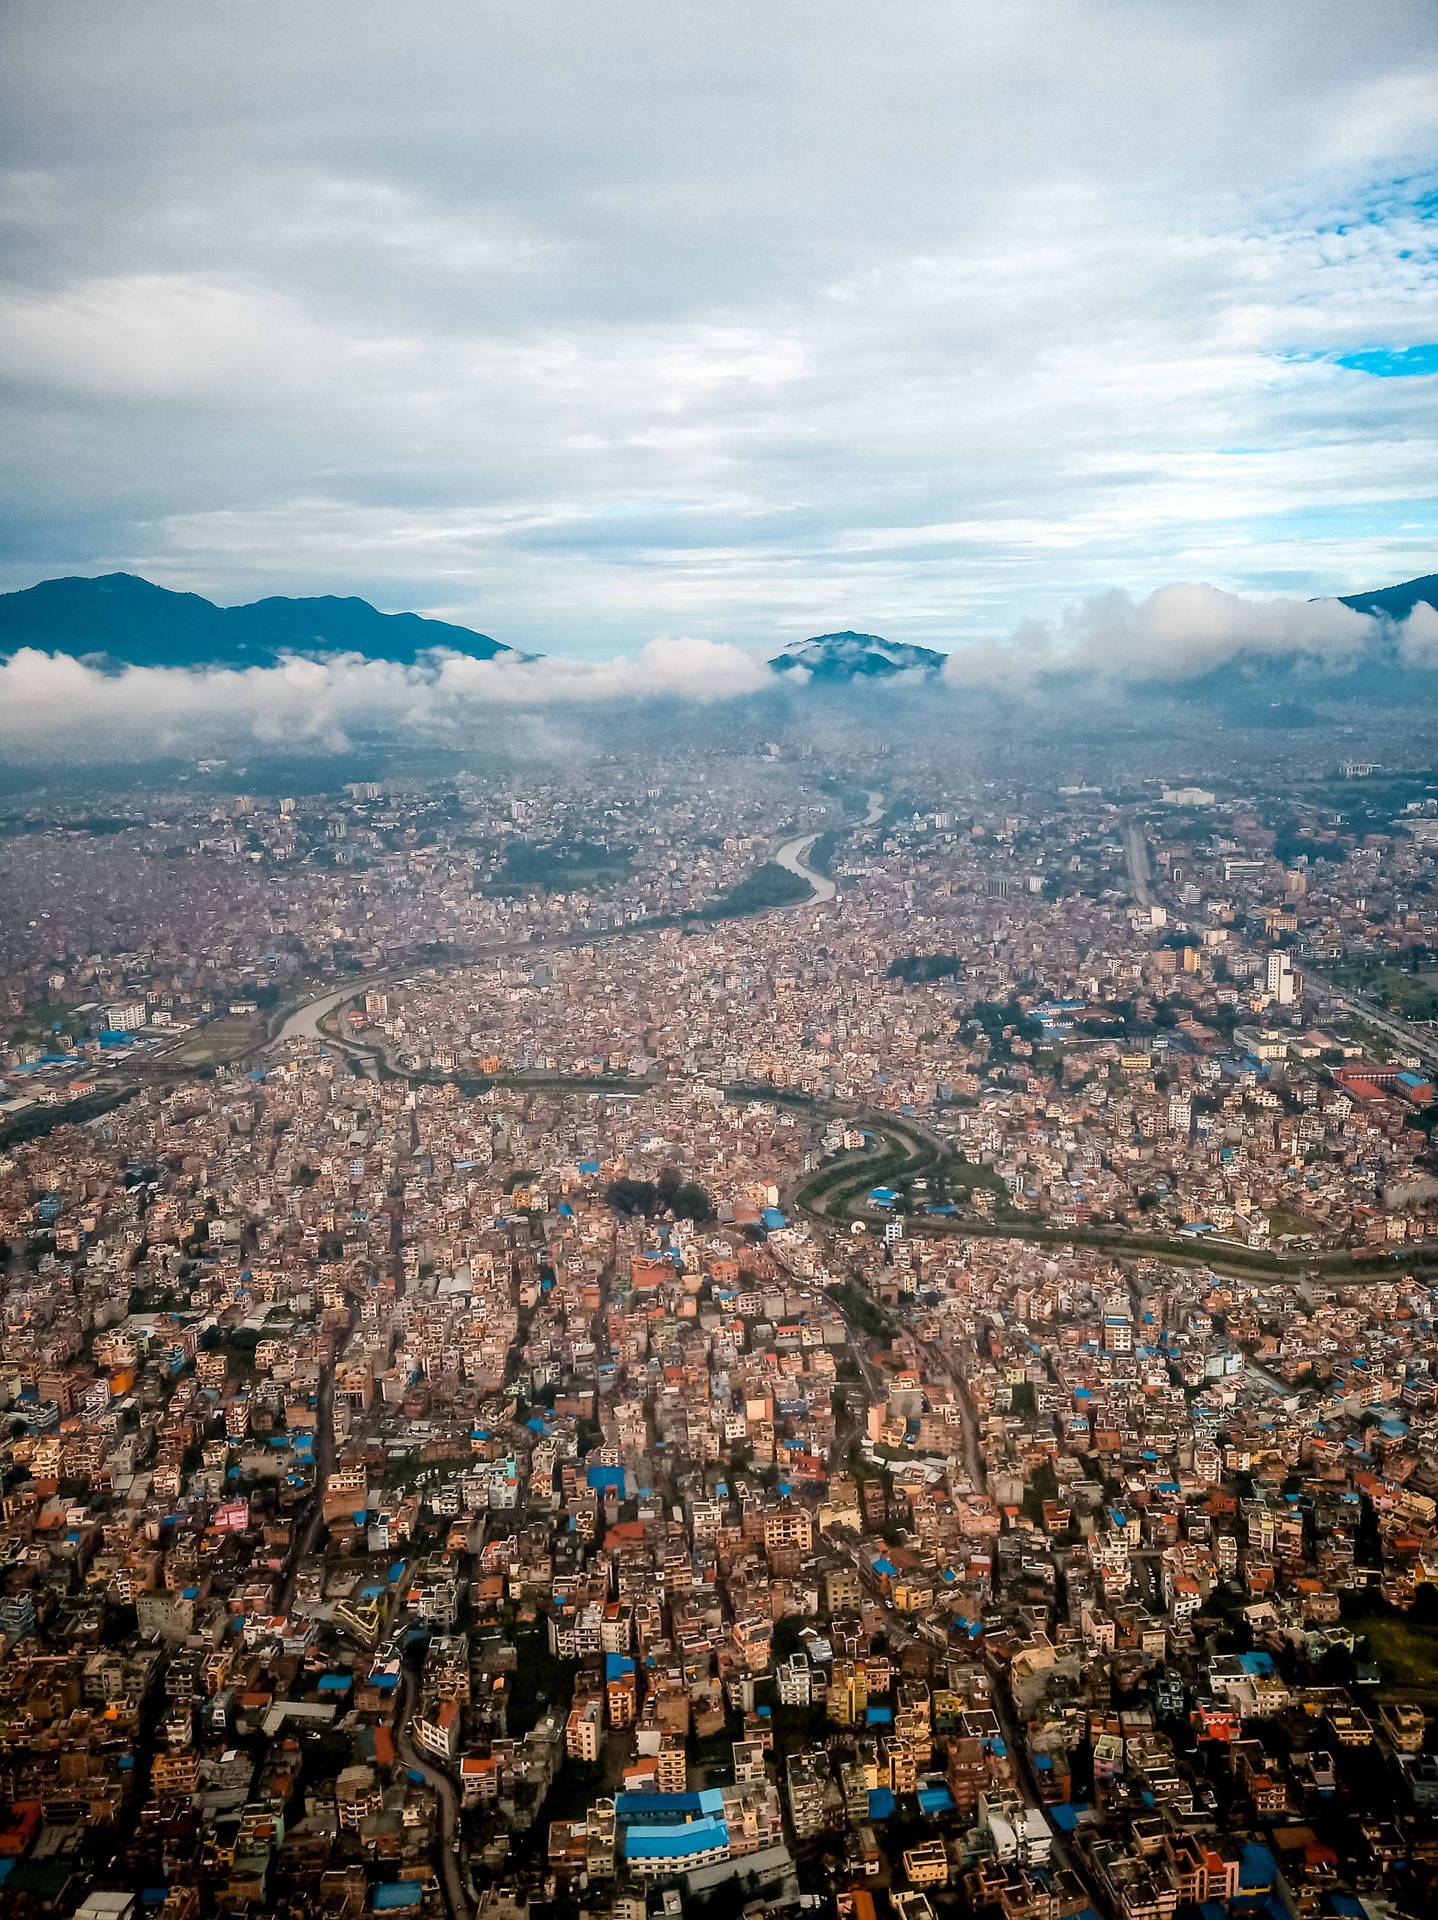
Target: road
[[307, 1520], [1116, 1242], [1413, 1038], [446, 1851], [1063, 1849], [1135, 848], [973, 1460]]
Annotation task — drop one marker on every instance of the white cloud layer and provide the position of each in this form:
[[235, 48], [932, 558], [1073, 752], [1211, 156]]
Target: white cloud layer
[[1176, 634], [1181, 632], [576, 323], [52, 699]]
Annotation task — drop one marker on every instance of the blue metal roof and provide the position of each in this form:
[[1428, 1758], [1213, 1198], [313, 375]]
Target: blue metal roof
[[667, 1806], [675, 1842], [394, 1894]]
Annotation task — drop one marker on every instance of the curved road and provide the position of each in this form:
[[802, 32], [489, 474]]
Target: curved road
[[446, 1847]]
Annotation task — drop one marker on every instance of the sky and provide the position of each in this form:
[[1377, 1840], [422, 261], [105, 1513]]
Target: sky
[[598, 326]]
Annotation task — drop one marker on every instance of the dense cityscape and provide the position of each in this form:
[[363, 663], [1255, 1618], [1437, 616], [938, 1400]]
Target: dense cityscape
[[718, 960], [704, 1332]]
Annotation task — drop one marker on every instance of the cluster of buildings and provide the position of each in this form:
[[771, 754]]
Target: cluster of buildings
[[451, 1468]]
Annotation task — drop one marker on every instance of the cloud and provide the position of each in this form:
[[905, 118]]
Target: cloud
[[1179, 632], [1418, 637], [46, 699], [51, 702], [681, 669]]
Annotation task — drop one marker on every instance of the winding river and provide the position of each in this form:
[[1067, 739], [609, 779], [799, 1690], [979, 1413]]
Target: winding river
[[794, 854], [304, 1022]]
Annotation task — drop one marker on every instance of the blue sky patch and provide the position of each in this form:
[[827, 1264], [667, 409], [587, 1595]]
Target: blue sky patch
[[1392, 363]]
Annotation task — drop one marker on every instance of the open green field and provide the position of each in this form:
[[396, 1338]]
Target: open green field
[[1408, 995], [38, 1021], [562, 866], [1407, 1651]]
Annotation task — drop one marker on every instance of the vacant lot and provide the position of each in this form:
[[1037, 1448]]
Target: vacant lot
[[1408, 1655], [220, 1041]]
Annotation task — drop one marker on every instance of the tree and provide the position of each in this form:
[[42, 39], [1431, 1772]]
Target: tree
[[631, 1196], [691, 1202], [1337, 1668], [667, 1185], [1425, 1604]]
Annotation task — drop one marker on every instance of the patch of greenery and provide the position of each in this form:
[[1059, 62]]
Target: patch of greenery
[[1400, 990], [994, 1015], [541, 1681], [35, 1122], [859, 1308], [1042, 1485], [562, 865], [670, 1193], [916, 968], [768, 886], [821, 854]]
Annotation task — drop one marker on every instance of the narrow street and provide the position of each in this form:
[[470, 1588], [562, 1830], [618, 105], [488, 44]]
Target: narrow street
[[308, 1518], [446, 1840], [1065, 1852]]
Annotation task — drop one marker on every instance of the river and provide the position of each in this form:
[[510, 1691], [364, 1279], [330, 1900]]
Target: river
[[794, 854], [304, 1022]]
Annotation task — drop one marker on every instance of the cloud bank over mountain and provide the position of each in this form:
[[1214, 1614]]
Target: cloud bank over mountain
[[55, 699], [1179, 633], [50, 698]]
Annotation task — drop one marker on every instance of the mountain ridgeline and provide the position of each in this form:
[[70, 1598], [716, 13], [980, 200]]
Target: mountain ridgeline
[[1396, 602], [128, 622], [838, 657], [120, 620]]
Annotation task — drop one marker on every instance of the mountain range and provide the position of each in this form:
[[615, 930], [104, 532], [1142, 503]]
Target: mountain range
[[120, 620], [1396, 602], [128, 622]]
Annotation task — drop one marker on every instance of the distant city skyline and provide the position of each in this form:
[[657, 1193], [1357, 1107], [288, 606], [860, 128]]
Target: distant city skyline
[[583, 328]]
